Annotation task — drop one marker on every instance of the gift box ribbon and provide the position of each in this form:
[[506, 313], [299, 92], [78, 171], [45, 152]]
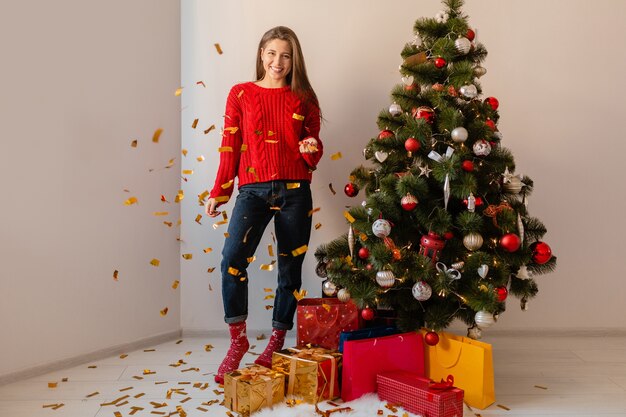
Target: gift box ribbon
[[247, 374], [309, 355], [442, 385]]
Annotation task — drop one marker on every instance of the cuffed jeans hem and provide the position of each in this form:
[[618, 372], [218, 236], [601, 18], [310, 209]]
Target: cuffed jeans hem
[[233, 320], [281, 326]]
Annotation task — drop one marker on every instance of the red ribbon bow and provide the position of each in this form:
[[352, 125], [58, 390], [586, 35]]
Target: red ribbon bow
[[442, 385]]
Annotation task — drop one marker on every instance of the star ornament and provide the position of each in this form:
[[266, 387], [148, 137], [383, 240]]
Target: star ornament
[[425, 171]]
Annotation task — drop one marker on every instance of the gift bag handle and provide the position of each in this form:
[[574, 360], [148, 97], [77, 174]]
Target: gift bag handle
[[448, 352]]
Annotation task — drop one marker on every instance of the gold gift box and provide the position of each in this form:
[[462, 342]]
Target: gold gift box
[[250, 389], [311, 373]]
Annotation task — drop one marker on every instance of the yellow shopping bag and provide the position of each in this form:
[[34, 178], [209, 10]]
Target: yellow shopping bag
[[469, 361]]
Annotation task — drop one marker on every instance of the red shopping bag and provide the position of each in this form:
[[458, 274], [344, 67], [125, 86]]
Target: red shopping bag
[[321, 320]]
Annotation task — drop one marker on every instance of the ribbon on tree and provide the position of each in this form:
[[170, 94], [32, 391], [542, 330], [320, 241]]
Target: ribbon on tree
[[450, 273], [435, 156], [492, 211]]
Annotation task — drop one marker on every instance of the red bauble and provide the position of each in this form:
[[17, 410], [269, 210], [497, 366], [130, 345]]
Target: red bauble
[[438, 87], [431, 338], [440, 62], [412, 144], [493, 102], [471, 35], [425, 113], [541, 252], [448, 235], [351, 189], [491, 124], [369, 267], [411, 87], [467, 165], [384, 134], [367, 313], [364, 253], [408, 202], [510, 242], [501, 293]]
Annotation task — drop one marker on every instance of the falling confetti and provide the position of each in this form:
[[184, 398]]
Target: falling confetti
[[198, 218], [201, 83], [130, 201], [299, 251], [178, 91], [299, 294], [133, 144], [52, 384], [175, 284], [179, 197], [219, 49], [270, 250], [164, 311], [335, 156], [315, 210], [155, 262], [318, 225], [161, 213], [115, 274], [348, 216], [187, 171], [184, 152], [157, 135], [187, 256], [212, 127], [330, 185], [208, 250], [200, 158]]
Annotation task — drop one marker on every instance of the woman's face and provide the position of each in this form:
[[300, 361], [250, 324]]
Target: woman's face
[[276, 58]]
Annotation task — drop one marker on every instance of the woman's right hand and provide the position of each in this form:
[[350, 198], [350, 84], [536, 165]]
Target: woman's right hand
[[209, 208]]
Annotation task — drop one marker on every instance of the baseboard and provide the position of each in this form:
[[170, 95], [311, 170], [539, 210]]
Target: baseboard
[[88, 357]]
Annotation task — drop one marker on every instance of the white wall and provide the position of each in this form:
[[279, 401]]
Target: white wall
[[79, 81], [555, 66]]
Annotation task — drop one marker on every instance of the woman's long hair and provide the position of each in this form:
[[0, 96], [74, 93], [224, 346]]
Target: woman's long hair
[[297, 77]]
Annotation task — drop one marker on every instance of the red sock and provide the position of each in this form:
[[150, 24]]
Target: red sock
[[238, 347], [276, 343]]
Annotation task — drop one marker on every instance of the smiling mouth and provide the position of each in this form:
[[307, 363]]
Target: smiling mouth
[[275, 69]]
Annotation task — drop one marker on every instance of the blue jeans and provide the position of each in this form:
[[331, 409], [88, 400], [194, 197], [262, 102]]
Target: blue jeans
[[255, 206]]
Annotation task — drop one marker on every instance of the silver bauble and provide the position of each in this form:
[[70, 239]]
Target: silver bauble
[[321, 269], [385, 279], [473, 241], [381, 228], [484, 319], [422, 291], [458, 265], [463, 45], [343, 295], [459, 134], [481, 148], [468, 91], [395, 109], [513, 185], [329, 289], [479, 71]]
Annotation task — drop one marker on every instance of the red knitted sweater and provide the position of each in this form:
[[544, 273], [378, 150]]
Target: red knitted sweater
[[260, 141]]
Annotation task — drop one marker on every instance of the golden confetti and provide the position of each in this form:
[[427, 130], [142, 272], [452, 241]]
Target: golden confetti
[[190, 369], [187, 171], [225, 149], [271, 296], [178, 91], [93, 394], [540, 387], [318, 225], [123, 356], [299, 294], [218, 48], [50, 405], [148, 372], [179, 196], [115, 274], [232, 130], [268, 267], [270, 250], [299, 251], [348, 216], [117, 414], [272, 141], [222, 199], [211, 269], [198, 218], [202, 409], [130, 201], [326, 307], [175, 284], [92, 367], [233, 271], [335, 156], [311, 212], [133, 144], [208, 250], [330, 185], [157, 135], [126, 389], [149, 350], [212, 127], [52, 384], [363, 237], [244, 147], [184, 152], [161, 213], [226, 234], [227, 184], [200, 158], [155, 262], [164, 312], [187, 256], [195, 123], [135, 409], [268, 289], [252, 171], [251, 259], [168, 224], [269, 307], [170, 163], [298, 116], [504, 407]]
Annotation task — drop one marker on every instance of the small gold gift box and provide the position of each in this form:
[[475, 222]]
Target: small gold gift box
[[250, 389], [312, 373]]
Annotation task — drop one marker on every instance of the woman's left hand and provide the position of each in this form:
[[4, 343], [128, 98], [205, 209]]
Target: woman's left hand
[[308, 145]]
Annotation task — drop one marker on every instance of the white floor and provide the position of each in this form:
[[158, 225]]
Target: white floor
[[582, 376]]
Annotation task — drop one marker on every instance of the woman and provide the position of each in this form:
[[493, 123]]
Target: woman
[[271, 144]]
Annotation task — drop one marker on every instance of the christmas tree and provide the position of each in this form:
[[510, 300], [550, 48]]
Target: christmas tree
[[443, 232]]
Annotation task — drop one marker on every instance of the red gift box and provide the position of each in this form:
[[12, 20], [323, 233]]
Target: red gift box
[[321, 320], [366, 358], [419, 395]]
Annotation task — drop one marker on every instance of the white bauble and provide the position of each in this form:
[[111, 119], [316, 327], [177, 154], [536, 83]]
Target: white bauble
[[463, 45], [385, 279], [395, 109], [459, 134], [422, 291], [381, 228], [481, 148], [469, 91], [484, 319], [343, 295]]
